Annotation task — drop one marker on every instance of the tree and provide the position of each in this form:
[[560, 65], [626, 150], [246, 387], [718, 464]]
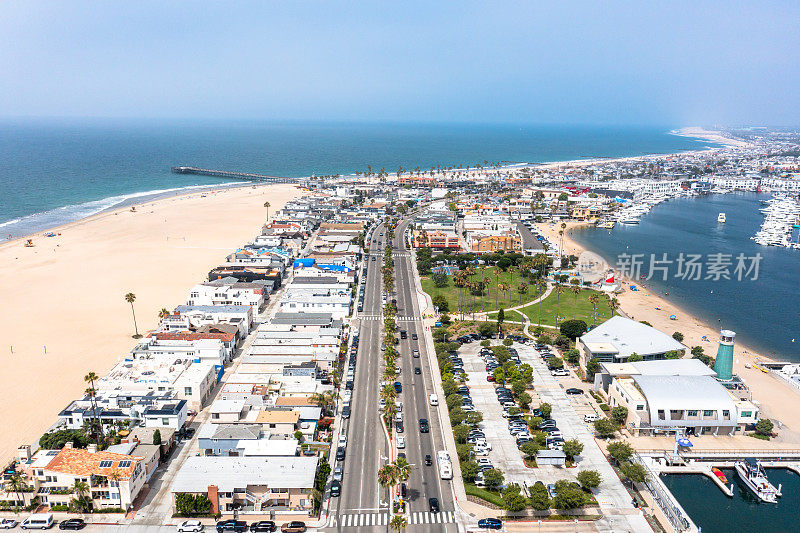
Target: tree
[[572, 448], [764, 427], [18, 485], [90, 378], [469, 469], [81, 503], [555, 363], [545, 409], [568, 496], [266, 205], [513, 500], [473, 418], [524, 399], [493, 478], [439, 280], [440, 303], [605, 428], [387, 476], [559, 290], [499, 376], [507, 342], [573, 328], [697, 350], [157, 437], [518, 387], [634, 357], [453, 401], [501, 316], [572, 356], [678, 336], [540, 499], [530, 449], [620, 451], [487, 329], [398, 522], [619, 414], [403, 469], [633, 472], [164, 312], [672, 354], [298, 435], [130, 298], [592, 366], [589, 479], [461, 433]]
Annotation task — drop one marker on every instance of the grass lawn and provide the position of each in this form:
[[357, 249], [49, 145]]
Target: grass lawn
[[486, 302], [487, 495], [569, 307]]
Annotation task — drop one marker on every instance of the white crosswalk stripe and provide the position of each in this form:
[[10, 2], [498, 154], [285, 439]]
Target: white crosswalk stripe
[[406, 318], [361, 519], [446, 517]]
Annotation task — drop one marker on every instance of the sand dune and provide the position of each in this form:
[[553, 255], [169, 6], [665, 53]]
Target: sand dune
[[63, 311]]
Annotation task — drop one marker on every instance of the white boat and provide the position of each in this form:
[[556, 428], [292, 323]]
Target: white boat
[[752, 474], [721, 217]]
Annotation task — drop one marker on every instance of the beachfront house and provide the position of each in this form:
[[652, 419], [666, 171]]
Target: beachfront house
[[150, 409], [616, 339]]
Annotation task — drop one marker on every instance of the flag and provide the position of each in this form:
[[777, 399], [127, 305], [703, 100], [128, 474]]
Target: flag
[[610, 279]]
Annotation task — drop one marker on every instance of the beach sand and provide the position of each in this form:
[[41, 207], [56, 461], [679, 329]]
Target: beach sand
[[778, 400], [65, 295]]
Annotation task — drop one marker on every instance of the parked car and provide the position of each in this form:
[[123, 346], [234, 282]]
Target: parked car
[[231, 525], [346, 412], [338, 473], [336, 489], [398, 387], [551, 490], [490, 523], [590, 418], [294, 526], [190, 526], [267, 526], [573, 390], [340, 454], [8, 523], [72, 523], [401, 442]]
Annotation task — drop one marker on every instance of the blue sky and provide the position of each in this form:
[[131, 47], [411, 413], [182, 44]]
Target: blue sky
[[663, 63]]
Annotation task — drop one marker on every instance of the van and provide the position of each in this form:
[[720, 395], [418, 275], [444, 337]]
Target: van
[[590, 418], [38, 521], [434, 400]]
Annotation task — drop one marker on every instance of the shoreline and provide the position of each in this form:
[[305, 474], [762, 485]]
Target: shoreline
[[69, 316], [774, 402]]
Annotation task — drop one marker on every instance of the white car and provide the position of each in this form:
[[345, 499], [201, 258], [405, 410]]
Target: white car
[[191, 525], [398, 404], [8, 523], [560, 372], [343, 440], [381, 405], [398, 417], [480, 450], [401, 442], [590, 418]]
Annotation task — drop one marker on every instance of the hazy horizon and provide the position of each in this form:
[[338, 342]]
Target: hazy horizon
[[584, 64]]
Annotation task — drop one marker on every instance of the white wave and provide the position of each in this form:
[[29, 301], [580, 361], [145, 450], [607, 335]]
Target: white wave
[[73, 212]]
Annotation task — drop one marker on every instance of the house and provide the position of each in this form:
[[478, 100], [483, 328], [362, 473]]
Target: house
[[279, 485], [230, 291], [279, 422], [225, 439], [616, 339], [149, 409], [192, 317]]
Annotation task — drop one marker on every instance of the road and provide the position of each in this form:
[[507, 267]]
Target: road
[[363, 504], [529, 240]]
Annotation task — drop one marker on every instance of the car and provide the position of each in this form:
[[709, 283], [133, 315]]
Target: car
[[381, 404], [336, 489], [414, 336], [72, 523], [403, 490], [490, 523], [428, 460], [590, 418], [349, 385], [551, 430], [415, 353], [401, 442], [231, 525], [263, 525], [403, 334], [295, 526], [190, 526], [551, 490], [423, 425], [398, 387], [573, 390], [490, 378], [399, 427], [8, 523], [338, 473], [417, 370], [342, 440], [373, 258], [346, 412], [433, 505], [340, 454]]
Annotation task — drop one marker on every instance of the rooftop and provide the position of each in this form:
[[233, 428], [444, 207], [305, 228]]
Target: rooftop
[[230, 473], [629, 336]]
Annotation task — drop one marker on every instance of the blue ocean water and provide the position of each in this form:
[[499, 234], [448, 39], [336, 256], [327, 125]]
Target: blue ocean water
[[56, 171], [762, 312]]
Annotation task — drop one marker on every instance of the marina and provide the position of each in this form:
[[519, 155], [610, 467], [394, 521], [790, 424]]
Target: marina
[[782, 213]]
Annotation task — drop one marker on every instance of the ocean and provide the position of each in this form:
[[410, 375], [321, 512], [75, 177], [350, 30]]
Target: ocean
[[762, 312], [714, 512], [56, 171]]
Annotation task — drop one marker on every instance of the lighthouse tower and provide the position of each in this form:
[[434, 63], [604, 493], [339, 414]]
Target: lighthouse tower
[[723, 365]]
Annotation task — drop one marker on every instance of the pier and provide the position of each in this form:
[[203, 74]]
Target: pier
[[246, 176]]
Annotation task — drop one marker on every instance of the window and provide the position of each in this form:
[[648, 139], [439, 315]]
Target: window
[[708, 413], [106, 464], [726, 414], [124, 464], [215, 415], [747, 414], [640, 407], [165, 421], [187, 391], [114, 483], [661, 415]]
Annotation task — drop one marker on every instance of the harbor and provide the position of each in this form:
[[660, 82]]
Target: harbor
[[782, 215]]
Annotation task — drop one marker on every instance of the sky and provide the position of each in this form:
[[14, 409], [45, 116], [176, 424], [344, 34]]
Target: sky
[[579, 62]]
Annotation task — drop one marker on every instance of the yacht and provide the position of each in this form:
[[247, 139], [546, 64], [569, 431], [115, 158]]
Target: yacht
[[721, 217], [752, 474]]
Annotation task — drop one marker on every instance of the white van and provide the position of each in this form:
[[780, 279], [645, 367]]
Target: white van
[[38, 521], [434, 399], [590, 418]]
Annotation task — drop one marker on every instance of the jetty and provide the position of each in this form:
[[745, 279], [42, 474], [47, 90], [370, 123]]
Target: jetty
[[246, 176]]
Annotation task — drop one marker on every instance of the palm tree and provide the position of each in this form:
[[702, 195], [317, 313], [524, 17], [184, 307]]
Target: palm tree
[[594, 299], [403, 469], [18, 485], [613, 303], [559, 290], [164, 312], [114, 478], [324, 400], [561, 233], [522, 289], [398, 522], [81, 502], [130, 298], [267, 204], [90, 378], [576, 290], [504, 288], [387, 476]]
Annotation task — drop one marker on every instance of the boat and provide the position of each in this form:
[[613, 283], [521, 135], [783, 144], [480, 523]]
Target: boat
[[752, 474], [721, 217], [717, 472]]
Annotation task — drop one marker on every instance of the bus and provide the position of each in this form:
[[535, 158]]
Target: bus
[[445, 465]]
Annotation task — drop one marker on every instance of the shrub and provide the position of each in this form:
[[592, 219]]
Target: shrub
[[568, 496], [507, 342], [764, 427], [572, 448], [573, 328], [678, 336], [604, 407], [572, 356], [530, 449], [513, 500]]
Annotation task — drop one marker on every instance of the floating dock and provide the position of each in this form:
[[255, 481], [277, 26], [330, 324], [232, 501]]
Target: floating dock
[[245, 176]]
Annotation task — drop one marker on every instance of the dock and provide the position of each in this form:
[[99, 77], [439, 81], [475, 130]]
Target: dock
[[245, 176]]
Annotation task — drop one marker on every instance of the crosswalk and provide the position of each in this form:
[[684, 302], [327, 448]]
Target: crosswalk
[[382, 519], [396, 318]]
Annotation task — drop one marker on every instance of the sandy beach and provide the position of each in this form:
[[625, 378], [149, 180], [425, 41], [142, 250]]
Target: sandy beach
[[64, 312], [777, 399]]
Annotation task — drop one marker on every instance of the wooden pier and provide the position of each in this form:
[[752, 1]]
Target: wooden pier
[[245, 176]]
